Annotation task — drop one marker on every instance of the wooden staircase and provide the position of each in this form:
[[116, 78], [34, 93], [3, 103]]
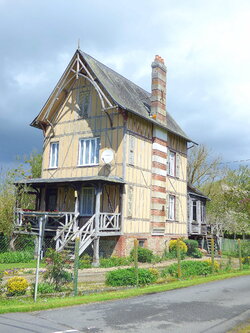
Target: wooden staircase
[[209, 244]]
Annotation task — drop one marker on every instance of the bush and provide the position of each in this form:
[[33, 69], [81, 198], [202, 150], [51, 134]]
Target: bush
[[216, 264], [43, 288], [197, 253], [126, 277], [1, 282], [17, 286], [115, 261], [56, 262], [245, 248], [144, 255], [85, 261], [156, 259], [190, 268], [192, 246], [245, 261], [15, 257], [173, 246]]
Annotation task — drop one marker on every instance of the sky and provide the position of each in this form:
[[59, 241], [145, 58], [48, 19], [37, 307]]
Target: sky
[[205, 45]]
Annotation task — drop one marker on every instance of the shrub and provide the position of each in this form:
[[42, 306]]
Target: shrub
[[173, 246], [245, 248], [17, 286], [115, 261], [197, 253], [245, 261], [144, 255], [126, 277], [15, 257], [216, 264], [43, 288], [85, 261], [1, 281], [155, 272], [190, 268], [192, 246], [56, 262]]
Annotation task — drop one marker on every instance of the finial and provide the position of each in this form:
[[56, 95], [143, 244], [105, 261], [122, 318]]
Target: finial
[[78, 44]]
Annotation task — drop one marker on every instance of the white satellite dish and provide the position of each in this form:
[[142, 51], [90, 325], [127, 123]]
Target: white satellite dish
[[107, 156]]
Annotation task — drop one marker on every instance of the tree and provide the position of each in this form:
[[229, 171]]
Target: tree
[[8, 194], [230, 201], [202, 167]]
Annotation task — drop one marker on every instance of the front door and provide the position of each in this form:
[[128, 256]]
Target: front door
[[51, 199]]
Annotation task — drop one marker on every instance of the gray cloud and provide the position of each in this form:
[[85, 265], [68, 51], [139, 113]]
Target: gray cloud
[[205, 46]]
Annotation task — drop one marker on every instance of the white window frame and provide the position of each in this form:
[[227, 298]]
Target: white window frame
[[171, 207], [172, 163], [86, 213], [88, 143], [53, 155]]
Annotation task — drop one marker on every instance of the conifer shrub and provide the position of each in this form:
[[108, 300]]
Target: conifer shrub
[[17, 286]]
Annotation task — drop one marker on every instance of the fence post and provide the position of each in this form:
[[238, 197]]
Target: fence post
[[76, 265], [212, 254], [178, 258], [240, 255], [136, 261]]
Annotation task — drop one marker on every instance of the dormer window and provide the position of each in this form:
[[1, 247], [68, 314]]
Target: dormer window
[[53, 160], [89, 151]]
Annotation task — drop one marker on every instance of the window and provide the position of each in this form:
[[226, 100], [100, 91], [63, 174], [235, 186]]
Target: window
[[141, 242], [194, 208], [89, 151], [53, 160], [84, 102], [87, 201], [171, 163], [171, 207]]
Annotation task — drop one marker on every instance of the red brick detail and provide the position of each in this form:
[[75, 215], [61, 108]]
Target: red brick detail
[[160, 141], [158, 200], [158, 189], [158, 81], [157, 104], [159, 165], [159, 153], [160, 117], [157, 212], [158, 177]]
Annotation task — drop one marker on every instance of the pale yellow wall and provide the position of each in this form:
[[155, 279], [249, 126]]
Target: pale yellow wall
[[69, 128], [178, 187], [138, 175]]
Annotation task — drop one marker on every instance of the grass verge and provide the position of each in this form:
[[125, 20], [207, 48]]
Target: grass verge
[[25, 305]]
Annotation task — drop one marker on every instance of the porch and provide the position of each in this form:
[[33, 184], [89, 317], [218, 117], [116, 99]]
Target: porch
[[95, 211]]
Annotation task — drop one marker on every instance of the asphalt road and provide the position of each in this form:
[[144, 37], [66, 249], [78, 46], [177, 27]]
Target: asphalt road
[[213, 307]]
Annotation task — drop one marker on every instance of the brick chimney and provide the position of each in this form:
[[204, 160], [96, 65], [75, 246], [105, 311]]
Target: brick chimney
[[158, 94]]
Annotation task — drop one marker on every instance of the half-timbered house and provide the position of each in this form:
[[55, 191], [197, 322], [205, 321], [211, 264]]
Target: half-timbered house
[[114, 162]]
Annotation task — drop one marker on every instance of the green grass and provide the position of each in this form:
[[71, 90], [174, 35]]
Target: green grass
[[20, 265], [27, 304]]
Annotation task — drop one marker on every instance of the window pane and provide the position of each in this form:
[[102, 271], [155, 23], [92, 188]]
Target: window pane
[[86, 157], [194, 211], [92, 157], [53, 155], [87, 202]]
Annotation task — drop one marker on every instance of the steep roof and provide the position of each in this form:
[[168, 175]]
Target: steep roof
[[127, 94], [193, 190]]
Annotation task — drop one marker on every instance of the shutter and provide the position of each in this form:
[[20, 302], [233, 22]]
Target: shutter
[[168, 161], [131, 149], [177, 208], [178, 166], [167, 206]]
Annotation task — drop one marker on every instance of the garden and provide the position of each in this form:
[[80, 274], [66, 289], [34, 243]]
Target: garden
[[59, 276]]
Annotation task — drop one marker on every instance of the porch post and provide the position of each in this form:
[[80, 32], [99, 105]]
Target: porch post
[[97, 221]]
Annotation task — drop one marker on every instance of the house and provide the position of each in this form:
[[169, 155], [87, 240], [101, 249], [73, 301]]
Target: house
[[197, 224], [114, 162]]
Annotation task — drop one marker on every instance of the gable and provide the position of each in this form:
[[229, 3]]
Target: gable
[[113, 89]]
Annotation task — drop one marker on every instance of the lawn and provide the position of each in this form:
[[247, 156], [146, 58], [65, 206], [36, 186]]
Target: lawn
[[20, 265]]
